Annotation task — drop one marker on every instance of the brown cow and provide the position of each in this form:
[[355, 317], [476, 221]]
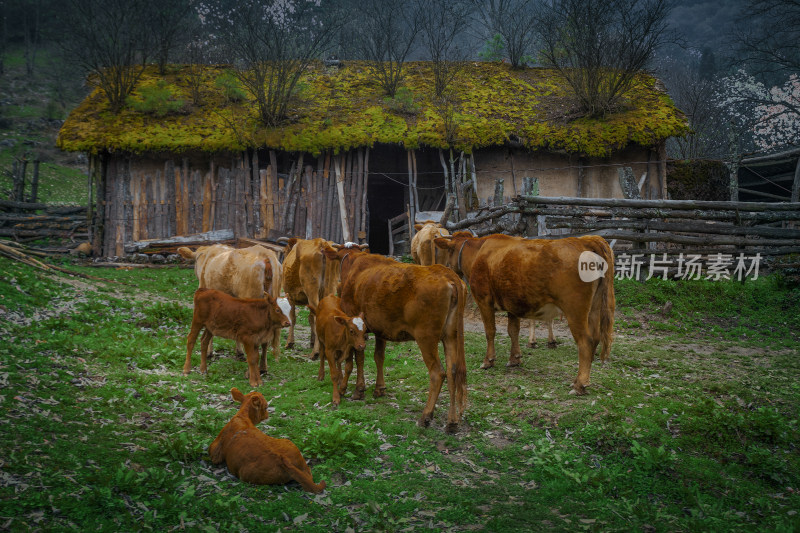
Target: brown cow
[[307, 278], [539, 278], [249, 321], [255, 457], [423, 249], [241, 272], [403, 302], [341, 337]]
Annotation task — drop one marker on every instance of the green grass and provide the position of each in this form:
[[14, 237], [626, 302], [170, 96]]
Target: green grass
[[687, 430]]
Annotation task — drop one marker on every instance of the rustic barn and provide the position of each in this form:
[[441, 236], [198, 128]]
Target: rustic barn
[[349, 161]]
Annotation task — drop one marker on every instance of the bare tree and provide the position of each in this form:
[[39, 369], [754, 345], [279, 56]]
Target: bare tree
[[515, 22], [109, 39], [442, 22], [600, 46], [767, 36], [271, 44], [168, 19], [387, 32]]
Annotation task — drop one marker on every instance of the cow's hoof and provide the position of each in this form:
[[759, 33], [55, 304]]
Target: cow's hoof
[[552, 345], [533, 345], [513, 362], [487, 364], [424, 421], [358, 394], [314, 356], [289, 345], [451, 427], [579, 390], [334, 405], [380, 392], [186, 372]]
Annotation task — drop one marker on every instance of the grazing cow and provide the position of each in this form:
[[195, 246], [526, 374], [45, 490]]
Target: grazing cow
[[423, 249], [249, 321], [539, 278], [403, 302], [255, 457], [341, 337], [307, 278], [243, 273]]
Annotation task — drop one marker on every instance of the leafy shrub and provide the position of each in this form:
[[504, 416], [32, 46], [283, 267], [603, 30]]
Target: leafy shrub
[[403, 102], [230, 86], [336, 439], [159, 99]]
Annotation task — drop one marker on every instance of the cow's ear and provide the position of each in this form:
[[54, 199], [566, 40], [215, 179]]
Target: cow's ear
[[331, 253], [418, 226], [443, 243], [237, 395], [340, 319]]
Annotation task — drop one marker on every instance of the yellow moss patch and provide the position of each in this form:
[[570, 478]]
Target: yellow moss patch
[[338, 109]]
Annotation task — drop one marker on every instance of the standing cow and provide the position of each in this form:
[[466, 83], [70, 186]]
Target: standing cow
[[341, 338], [538, 279], [403, 302], [307, 278], [423, 249], [243, 273]]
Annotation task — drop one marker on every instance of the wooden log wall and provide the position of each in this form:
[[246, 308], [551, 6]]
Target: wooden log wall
[[254, 194]]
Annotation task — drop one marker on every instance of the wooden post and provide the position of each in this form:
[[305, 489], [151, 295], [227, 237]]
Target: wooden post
[[530, 187], [100, 172], [796, 182], [35, 181], [337, 164], [581, 177], [364, 207], [412, 190], [513, 173], [628, 184]]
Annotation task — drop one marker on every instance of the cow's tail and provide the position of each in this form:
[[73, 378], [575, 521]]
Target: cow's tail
[[458, 364], [186, 253], [606, 302]]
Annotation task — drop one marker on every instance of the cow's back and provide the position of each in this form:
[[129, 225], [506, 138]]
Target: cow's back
[[398, 298], [523, 276]]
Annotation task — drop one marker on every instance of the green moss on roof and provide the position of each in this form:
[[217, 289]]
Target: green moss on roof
[[341, 108]]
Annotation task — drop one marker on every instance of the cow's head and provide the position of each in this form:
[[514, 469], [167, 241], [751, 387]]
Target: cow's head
[[276, 314], [356, 330], [452, 246], [345, 253], [253, 404]]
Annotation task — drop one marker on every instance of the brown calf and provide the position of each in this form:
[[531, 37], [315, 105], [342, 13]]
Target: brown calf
[[340, 338], [249, 321], [255, 457]]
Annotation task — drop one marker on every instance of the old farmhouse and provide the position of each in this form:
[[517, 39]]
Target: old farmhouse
[[189, 155]]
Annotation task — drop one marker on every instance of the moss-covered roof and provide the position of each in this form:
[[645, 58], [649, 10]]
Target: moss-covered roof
[[342, 108]]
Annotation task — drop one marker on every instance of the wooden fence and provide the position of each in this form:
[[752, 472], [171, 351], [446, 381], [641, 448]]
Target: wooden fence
[[20, 221], [647, 226]]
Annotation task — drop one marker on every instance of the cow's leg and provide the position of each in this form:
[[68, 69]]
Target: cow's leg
[[487, 315], [360, 384], [276, 343], [190, 342], [292, 320], [252, 374], [348, 369], [532, 335], [513, 333], [380, 353], [262, 367], [430, 354], [336, 375], [312, 323], [205, 349], [323, 355], [551, 339], [579, 326]]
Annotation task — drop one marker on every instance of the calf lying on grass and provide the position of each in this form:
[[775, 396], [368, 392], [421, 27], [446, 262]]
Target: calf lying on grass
[[249, 321], [255, 457], [340, 337]]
